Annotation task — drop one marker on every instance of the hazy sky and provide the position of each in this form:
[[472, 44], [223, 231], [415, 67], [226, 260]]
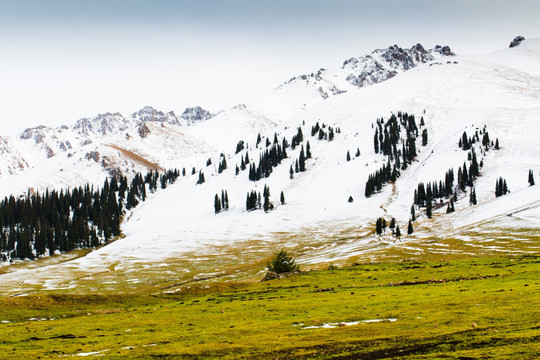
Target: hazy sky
[[61, 60]]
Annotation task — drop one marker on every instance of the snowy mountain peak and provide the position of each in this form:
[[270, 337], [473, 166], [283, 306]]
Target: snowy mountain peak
[[195, 114], [149, 114], [517, 40], [383, 64], [102, 124]]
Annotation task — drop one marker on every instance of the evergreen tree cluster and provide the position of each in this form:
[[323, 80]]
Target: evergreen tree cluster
[[253, 200], [501, 188], [269, 159], [221, 204], [42, 224], [387, 140], [435, 190], [466, 177], [244, 161], [322, 134], [425, 194], [466, 142], [380, 226], [222, 164], [297, 139], [376, 180]]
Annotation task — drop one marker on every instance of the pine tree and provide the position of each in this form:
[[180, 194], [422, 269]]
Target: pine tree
[[413, 214], [398, 232], [348, 156], [357, 152], [424, 137], [531, 178], [472, 197], [217, 204], [378, 226], [410, 229], [266, 193], [282, 198], [302, 160], [497, 144], [291, 173], [428, 207], [201, 178], [308, 151]]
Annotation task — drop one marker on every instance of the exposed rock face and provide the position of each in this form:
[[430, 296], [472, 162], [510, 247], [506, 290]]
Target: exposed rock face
[[92, 155], [149, 114], [103, 124], [195, 114], [143, 130], [443, 50], [383, 64], [517, 40]]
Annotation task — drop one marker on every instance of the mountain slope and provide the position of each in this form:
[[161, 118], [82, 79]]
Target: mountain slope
[[498, 91], [42, 149]]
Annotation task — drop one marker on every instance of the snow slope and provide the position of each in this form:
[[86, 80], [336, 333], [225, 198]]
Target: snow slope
[[500, 90]]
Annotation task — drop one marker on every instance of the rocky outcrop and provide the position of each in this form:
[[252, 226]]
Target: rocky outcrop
[[383, 64], [192, 115], [92, 155], [103, 124], [143, 130], [517, 41], [149, 114]]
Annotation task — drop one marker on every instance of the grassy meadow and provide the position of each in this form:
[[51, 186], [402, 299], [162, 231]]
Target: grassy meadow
[[477, 308]]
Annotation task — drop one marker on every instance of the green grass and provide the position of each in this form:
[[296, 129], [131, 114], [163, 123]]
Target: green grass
[[459, 309]]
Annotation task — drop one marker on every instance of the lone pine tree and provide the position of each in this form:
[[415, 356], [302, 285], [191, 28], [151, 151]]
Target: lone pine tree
[[217, 204], [428, 207]]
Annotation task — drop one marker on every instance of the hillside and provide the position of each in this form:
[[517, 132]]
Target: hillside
[[176, 228]]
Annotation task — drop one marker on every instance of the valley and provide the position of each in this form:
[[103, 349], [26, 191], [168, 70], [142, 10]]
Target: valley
[[183, 264]]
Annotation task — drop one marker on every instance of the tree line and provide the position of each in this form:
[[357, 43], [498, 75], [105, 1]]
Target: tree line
[[82, 217]]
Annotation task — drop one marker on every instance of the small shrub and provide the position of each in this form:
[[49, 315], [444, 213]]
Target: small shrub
[[282, 263]]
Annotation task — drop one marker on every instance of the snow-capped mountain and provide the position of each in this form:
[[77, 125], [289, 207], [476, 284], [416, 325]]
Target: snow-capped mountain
[[326, 214], [68, 149], [383, 64]]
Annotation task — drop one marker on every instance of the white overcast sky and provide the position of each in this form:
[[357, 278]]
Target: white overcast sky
[[61, 60]]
